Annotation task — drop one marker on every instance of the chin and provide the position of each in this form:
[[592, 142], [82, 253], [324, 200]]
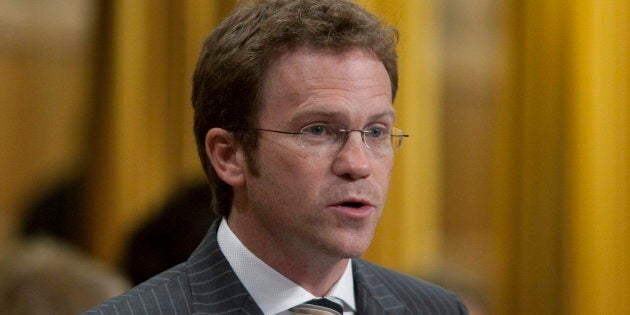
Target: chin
[[351, 252], [350, 246]]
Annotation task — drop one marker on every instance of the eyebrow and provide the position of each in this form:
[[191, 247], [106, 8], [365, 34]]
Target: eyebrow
[[332, 114], [390, 112]]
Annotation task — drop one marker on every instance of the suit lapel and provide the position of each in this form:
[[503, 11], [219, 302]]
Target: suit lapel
[[372, 296], [214, 286]]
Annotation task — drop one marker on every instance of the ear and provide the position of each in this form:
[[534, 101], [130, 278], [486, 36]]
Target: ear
[[226, 156]]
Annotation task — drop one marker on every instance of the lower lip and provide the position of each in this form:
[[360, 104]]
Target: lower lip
[[354, 213]]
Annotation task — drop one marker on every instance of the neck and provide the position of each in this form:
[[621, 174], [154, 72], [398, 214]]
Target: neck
[[314, 271]]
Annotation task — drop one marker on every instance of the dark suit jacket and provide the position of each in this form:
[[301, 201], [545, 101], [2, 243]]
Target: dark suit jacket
[[206, 284]]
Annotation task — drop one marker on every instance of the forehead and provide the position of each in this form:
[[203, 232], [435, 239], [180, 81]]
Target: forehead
[[321, 81]]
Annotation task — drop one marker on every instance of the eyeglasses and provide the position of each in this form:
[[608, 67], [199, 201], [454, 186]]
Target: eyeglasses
[[327, 136]]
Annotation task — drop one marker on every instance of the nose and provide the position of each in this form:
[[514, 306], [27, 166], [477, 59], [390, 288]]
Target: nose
[[352, 160]]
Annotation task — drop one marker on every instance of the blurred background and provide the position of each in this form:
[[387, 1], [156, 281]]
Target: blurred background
[[514, 189]]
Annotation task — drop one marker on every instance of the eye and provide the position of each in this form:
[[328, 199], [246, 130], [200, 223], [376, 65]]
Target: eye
[[375, 132], [315, 130]]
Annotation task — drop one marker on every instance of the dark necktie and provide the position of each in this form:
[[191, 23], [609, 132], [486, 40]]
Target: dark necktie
[[318, 307]]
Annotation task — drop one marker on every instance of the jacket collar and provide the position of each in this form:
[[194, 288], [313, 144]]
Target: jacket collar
[[213, 284], [372, 296]]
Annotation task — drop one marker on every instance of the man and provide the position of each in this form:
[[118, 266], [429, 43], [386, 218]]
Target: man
[[294, 125]]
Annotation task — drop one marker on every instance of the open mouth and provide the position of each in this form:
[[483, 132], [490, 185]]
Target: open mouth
[[354, 208], [352, 204]]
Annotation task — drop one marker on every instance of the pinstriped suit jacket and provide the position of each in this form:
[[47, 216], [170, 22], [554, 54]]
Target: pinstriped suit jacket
[[206, 284]]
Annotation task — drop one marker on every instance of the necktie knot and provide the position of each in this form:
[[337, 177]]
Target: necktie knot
[[321, 306]]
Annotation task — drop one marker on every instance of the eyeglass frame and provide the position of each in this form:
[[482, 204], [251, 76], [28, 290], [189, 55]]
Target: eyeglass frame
[[342, 134]]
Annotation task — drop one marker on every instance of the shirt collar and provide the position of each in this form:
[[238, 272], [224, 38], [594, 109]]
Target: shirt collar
[[272, 291]]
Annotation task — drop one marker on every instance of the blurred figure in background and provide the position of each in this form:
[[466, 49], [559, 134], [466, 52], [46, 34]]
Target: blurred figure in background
[[57, 211], [171, 235], [45, 277]]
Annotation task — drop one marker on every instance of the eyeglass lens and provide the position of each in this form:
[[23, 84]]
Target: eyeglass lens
[[377, 139]]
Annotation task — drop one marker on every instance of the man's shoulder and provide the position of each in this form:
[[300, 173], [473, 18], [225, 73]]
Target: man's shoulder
[[416, 294], [394, 279], [166, 292]]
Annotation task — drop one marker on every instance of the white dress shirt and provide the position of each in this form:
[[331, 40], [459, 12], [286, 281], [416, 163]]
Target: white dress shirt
[[273, 292]]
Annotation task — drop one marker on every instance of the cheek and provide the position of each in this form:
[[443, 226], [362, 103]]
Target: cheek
[[383, 168], [292, 173], [293, 163], [383, 174], [305, 178]]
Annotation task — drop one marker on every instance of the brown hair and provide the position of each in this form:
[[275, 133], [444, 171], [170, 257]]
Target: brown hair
[[234, 58]]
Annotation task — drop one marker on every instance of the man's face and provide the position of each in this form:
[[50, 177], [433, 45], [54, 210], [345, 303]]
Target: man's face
[[320, 201]]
